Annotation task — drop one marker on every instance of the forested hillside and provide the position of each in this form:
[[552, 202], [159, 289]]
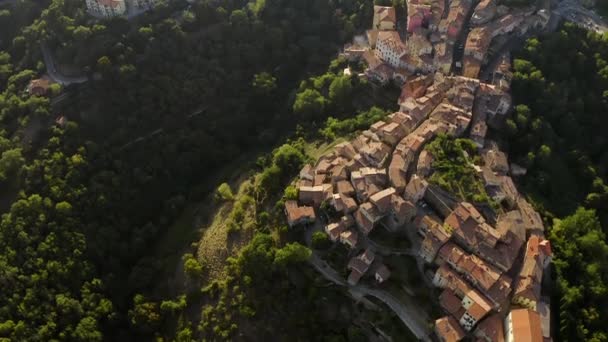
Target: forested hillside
[[85, 200], [560, 89]]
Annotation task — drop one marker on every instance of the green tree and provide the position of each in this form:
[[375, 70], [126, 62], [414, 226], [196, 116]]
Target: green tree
[[292, 253], [64, 208], [340, 91], [320, 240], [309, 104], [291, 193], [144, 315], [288, 158], [224, 193], [264, 83], [87, 330], [82, 33], [581, 261], [192, 268], [11, 163], [104, 63]]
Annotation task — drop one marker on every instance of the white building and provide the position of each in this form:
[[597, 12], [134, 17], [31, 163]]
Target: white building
[[476, 308], [106, 8], [390, 48]]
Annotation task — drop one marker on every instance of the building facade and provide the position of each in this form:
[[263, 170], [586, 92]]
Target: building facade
[[106, 8]]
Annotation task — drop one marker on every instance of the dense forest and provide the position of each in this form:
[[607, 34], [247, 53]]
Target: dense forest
[[181, 93], [560, 90], [173, 96]]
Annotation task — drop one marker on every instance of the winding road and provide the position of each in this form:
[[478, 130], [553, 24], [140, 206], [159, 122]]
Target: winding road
[[409, 315], [51, 69]]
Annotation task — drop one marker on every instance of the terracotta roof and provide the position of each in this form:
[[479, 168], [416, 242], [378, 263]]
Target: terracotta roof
[[319, 179], [475, 269], [382, 199], [491, 329], [500, 291], [363, 222], [307, 172], [532, 219], [297, 215], [376, 126], [401, 208], [345, 187], [356, 263], [448, 329], [471, 229], [526, 326], [392, 40], [416, 188], [480, 307], [334, 230], [530, 277], [416, 87], [385, 13], [346, 150], [454, 281], [449, 302], [323, 166], [344, 203], [433, 240], [39, 86], [396, 171], [511, 222]]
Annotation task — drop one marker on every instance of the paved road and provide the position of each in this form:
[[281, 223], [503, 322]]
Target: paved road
[[414, 319], [51, 69], [411, 316]]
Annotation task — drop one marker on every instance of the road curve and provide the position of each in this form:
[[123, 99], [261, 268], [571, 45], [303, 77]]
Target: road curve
[[408, 315], [51, 69]]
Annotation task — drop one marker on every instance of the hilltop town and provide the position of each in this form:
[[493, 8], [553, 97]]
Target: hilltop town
[[489, 263]]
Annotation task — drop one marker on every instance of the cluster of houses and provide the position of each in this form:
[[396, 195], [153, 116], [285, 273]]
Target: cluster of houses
[[488, 263], [115, 8], [433, 31], [481, 274], [489, 21]]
